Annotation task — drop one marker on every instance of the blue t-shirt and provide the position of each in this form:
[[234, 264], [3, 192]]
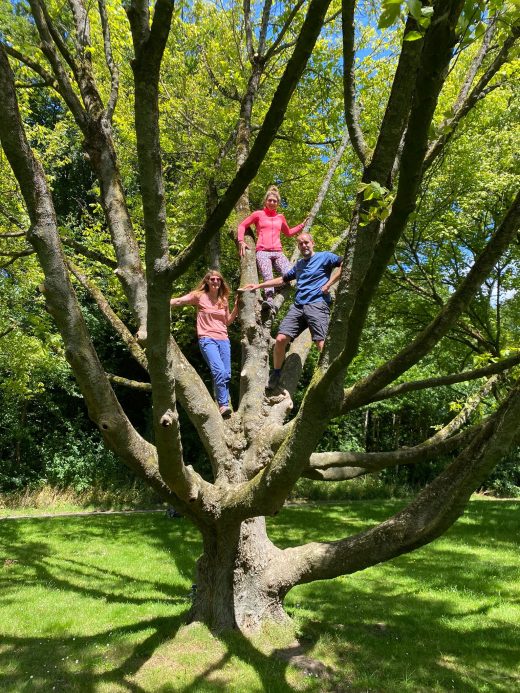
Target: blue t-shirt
[[311, 274]]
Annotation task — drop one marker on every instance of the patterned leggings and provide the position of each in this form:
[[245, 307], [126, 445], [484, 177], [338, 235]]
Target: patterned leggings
[[266, 260]]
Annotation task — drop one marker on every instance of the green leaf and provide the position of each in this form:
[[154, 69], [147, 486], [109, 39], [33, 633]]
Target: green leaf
[[389, 16], [427, 11], [415, 8], [413, 36]]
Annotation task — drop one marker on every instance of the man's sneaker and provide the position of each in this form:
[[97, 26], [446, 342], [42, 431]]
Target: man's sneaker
[[273, 382], [267, 310]]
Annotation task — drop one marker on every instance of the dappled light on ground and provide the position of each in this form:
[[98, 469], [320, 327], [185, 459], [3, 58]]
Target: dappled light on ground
[[100, 603]]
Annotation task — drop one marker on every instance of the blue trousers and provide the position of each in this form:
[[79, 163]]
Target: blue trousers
[[217, 354]]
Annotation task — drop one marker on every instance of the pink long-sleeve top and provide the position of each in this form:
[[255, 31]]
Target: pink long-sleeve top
[[269, 224]]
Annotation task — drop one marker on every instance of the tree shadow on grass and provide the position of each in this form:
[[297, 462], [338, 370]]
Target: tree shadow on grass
[[388, 642], [381, 630], [224, 662], [441, 616], [82, 663], [62, 572], [41, 551]]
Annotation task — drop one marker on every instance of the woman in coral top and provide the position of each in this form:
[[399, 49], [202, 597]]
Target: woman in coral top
[[213, 317], [269, 224]]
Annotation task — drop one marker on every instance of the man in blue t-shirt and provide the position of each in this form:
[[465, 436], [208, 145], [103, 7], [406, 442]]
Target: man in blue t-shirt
[[314, 277]]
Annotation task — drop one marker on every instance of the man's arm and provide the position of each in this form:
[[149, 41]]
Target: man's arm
[[332, 280], [277, 281]]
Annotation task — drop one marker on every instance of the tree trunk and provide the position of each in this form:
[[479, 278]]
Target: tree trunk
[[231, 590]]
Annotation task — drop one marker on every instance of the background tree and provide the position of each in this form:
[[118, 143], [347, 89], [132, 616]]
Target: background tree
[[390, 183]]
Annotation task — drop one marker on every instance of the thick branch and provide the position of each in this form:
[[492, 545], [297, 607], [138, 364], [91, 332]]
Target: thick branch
[[149, 48], [62, 304], [429, 515], [375, 461], [405, 87], [264, 25]]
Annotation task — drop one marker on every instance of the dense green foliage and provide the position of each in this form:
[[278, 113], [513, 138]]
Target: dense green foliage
[[46, 435]]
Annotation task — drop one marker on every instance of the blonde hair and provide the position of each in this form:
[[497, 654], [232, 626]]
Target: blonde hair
[[272, 190], [223, 289]]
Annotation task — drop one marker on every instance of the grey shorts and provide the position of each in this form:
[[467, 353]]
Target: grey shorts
[[314, 316]]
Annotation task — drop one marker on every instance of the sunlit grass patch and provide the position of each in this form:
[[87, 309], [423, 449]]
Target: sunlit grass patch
[[99, 604]]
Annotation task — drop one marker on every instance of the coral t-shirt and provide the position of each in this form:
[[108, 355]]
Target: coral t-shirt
[[212, 318]]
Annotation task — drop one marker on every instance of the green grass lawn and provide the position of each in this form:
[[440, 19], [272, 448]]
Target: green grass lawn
[[98, 604]]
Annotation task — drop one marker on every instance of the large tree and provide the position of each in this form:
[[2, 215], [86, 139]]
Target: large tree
[[452, 53]]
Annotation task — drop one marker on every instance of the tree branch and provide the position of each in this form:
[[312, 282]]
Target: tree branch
[[116, 323], [463, 416], [14, 220], [49, 50], [56, 37], [273, 48], [132, 384], [264, 25], [90, 254], [62, 304], [306, 40], [435, 509], [48, 79], [233, 94], [367, 462], [16, 234], [464, 103], [149, 48], [403, 388], [109, 58], [248, 30], [355, 291], [13, 257], [349, 86], [446, 317], [331, 170]]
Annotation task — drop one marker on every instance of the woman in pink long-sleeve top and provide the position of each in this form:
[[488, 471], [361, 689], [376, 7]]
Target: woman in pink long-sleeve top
[[269, 224]]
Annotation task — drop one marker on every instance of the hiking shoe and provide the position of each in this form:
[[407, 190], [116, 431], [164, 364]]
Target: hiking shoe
[[267, 309], [225, 411], [273, 382]]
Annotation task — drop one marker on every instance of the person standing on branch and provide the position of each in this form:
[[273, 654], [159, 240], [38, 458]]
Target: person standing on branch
[[213, 317], [269, 224], [314, 274]]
